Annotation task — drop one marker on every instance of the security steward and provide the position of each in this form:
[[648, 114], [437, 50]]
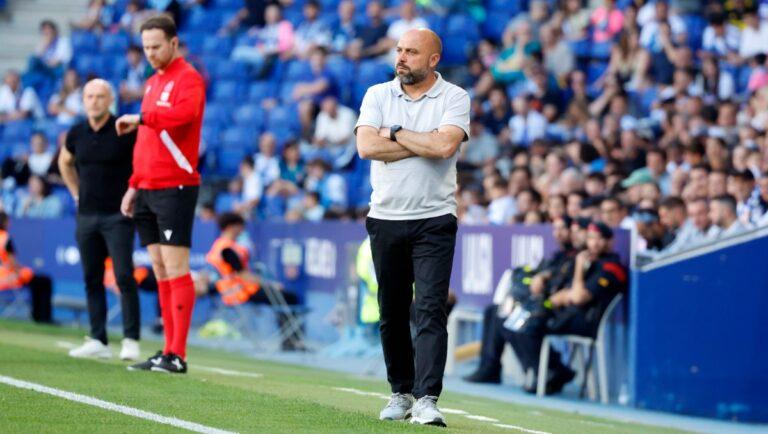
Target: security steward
[[598, 277], [96, 165], [551, 275]]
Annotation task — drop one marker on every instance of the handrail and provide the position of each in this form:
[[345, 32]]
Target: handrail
[[743, 237]]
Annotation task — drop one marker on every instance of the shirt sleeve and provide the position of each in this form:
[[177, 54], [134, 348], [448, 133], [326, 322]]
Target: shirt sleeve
[[608, 279], [69, 142], [186, 108], [370, 111], [457, 112]]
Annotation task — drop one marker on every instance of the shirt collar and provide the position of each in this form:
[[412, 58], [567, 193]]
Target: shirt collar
[[433, 92], [175, 64]]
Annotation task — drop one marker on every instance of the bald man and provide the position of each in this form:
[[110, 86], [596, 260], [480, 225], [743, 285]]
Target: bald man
[[96, 165], [411, 128]]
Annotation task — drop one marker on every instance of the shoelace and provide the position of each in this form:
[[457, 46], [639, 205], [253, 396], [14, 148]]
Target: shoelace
[[427, 401], [398, 400]]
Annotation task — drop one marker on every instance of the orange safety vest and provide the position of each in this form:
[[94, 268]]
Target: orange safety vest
[[233, 288], [110, 282], [11, 277]]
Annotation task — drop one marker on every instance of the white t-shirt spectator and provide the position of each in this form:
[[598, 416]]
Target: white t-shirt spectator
[[252, 187], [268, 168], [26, 100], [724, 44], [650, 35], [40, 163], [336, 130], [502, 210], [60, 51], [524, 130], [73, 103], [754, 41]]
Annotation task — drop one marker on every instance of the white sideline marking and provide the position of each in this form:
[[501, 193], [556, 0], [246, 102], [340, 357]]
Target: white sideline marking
[[129, 411], [519, 428], [66, 345], [227, 371], [481, 418], [361, 392], [452, 411], [589, 422]]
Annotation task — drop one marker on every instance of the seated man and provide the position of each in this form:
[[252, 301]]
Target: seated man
[[231, 277], [14, 276], [598, 277], [552, 274]]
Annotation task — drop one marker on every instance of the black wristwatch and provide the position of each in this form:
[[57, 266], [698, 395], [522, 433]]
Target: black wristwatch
[[393, 130]]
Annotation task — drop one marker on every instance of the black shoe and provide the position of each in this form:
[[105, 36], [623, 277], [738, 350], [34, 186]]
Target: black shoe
[[559, 380], [171, 364], [483, 376], [147, 364]]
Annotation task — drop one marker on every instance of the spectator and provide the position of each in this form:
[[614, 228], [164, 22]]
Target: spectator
[[67, 104], [40, 158], [496, 116], [38, 202], [310, 209], [573, 19], [344, 30], [330, 187], [722, 213], [229, 200], [535, 19], [18, 102], [251, 15], [97, 18], [672, 215], [526, 201], [625, 61], [371, 37], [654, 235], [558, 57], [291, 165], [312, 32], [607, 21], [721, 39], [613, 213], [763, 199], [309, 94], [661, 39], [252, 189], [754, 36], [502, 208], [334, 132], [53, 53], [132, 80], [482, 146], [747, 197], [408, 20], [266, 163], [132, 17], [713, 83], [508, 67], [275, 40], [527, 124]]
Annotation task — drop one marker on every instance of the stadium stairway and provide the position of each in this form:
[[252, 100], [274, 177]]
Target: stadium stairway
[[19, 33]]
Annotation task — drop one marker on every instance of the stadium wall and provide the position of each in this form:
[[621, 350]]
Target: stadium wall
[[698, 328]]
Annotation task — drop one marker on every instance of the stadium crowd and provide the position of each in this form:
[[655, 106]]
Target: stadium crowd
[[631, 112]]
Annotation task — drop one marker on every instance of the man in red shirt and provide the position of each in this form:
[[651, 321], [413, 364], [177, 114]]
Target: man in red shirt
[[163, 190]]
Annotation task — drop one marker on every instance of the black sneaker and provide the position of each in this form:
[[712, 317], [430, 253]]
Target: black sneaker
[[483, 376], [171, 364], [147, 364]]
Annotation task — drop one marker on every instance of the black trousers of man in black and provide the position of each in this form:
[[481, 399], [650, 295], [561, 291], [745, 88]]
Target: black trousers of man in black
[[99, 236], [407, 252]]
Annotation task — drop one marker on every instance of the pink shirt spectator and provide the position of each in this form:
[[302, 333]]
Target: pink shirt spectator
[[606, 23], [758, 79]]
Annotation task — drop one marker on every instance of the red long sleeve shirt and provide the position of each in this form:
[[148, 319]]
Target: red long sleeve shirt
[[168, 142]]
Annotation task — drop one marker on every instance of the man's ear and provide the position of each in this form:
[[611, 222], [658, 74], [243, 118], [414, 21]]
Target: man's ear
[[434, 59]]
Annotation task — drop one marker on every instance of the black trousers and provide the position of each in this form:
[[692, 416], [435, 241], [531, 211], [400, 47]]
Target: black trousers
[[99, 236], [404, 253], [42, 289], [492, 344]]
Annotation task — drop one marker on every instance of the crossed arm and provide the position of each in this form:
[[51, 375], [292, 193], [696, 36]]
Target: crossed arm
[[442, 143]]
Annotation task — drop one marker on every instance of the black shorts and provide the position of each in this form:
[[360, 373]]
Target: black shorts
[[165, 216]]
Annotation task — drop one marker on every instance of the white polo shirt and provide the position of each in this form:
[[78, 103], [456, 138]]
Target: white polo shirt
[[414, 188]]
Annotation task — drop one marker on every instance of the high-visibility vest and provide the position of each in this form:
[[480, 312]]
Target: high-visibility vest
[[11, 277], [110, 282], [369, 289], [232, 287]]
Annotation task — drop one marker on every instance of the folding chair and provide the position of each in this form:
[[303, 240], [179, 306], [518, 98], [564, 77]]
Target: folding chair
[[15, 303], [587, 347]]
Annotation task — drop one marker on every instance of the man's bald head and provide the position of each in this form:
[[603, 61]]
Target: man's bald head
[[418, 53], [98, 97]]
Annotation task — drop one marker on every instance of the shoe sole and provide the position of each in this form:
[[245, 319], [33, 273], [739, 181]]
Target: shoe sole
[[165, 371], [432, 422], [406, 417]]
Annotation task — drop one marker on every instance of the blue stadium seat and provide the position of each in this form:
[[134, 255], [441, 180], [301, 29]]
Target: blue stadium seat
[[694, 26], [298, 71], [115, 43], [600, 50], [194, 41], [455, 50], [228, 161], [229, 70], [217, 113], [250, 115], [91, 64], [283, 135], [227, 90], [239, 137], [203, 21], [211, 135], [581, 48], [435, 22], [84, 42], [464, 25], [17, 131], [217, 45], [595, 70], [261, 90], [283, 117], [226, 4], [494, 25], [286, 92]]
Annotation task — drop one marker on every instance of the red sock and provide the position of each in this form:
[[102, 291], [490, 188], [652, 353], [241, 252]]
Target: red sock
[[164, 294], [183, 301]]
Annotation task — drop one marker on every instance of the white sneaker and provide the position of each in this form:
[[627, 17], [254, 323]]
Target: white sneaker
[[92, 348], [425, 412], [398, 408], [130, 350]]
